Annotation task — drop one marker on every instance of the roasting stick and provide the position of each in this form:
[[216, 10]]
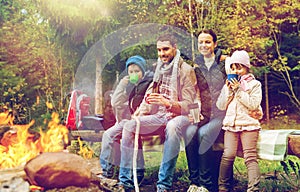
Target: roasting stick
[[135, 152]]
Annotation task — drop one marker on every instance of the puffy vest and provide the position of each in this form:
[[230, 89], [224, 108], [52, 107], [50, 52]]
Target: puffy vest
[[210, 83]]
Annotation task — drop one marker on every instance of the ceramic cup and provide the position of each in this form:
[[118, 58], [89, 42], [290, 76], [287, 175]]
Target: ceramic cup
[[230, 77], [134, 78]]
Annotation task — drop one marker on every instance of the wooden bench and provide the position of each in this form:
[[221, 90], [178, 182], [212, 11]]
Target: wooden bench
[[154, 143], [294, 145]]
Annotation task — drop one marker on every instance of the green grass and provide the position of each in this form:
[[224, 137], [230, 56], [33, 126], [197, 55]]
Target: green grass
[[266, 166], [272, 171], [281, 122]]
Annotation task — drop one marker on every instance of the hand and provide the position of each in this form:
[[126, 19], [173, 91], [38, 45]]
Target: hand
[[191, 119], [157, 99], [227, 83], [125, 80], [234, 84], [256, 114]]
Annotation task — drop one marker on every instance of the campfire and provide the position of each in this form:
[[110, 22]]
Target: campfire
[[18, 146], [27, 157]]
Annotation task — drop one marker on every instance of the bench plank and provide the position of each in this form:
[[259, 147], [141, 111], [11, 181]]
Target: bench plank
[[89, 135]]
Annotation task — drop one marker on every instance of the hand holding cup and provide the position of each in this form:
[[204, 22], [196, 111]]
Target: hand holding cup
[[155, 98], [232, 81], [231, 77]]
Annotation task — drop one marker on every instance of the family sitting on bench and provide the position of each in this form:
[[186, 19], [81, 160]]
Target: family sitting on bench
[[168, 107]]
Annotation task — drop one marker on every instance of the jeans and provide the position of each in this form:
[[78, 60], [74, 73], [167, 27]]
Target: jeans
[[110, 150], [203, 162], [149, 124], [174, 131], [249, 143]]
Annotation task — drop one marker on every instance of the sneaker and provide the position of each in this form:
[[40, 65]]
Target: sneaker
[[104, 178], [108, 183], [193, 188], [122, 188], [202, 189], [161, 190]]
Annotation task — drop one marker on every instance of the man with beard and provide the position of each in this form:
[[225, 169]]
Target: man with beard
[[164, 109]]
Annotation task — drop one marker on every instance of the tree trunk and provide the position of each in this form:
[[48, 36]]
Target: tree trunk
[[191, 30], [267, 111], [98, 88], [60, 71]]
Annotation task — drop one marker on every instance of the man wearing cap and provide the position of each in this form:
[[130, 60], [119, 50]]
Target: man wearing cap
[[125, 100]]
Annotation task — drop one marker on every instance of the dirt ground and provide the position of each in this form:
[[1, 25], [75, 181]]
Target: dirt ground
[[148, 184]]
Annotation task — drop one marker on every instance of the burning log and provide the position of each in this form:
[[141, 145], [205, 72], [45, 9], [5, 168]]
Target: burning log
[[58, 170], [46, 165], [18, 144], [3, 130]]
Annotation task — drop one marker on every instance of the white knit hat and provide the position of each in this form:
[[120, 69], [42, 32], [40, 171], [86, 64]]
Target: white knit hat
[[241, 57]]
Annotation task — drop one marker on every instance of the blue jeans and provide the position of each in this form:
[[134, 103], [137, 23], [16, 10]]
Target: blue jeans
[[149, 124], [110, 150], [203, 162], [174, 131]]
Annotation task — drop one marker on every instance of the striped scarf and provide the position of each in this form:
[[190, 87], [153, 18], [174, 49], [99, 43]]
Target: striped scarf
[[160, 71]]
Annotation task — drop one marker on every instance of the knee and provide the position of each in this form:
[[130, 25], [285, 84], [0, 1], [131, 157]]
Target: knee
[[201, 135], [129, 127], [250, 156], [172, 129], [229, 155], [107, 135], [190, 132]]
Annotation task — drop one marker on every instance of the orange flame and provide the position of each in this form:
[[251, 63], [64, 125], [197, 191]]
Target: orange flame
[[6, 119], [17, 145], [85, 152]]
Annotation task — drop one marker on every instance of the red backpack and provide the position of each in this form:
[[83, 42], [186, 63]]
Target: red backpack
[[78, 108]]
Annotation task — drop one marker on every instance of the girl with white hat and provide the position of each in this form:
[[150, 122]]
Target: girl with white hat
[[239, 97]]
